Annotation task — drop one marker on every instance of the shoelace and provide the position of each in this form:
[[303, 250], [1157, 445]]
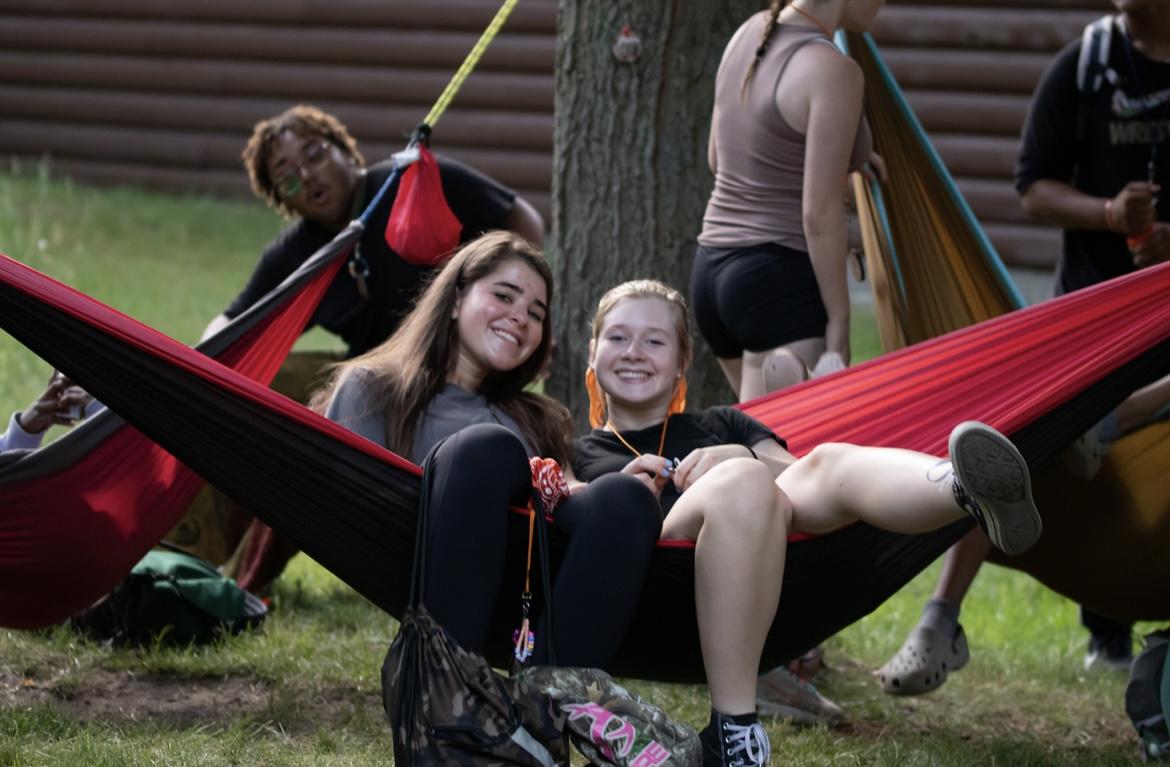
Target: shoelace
[[751, 740], [968, 504]]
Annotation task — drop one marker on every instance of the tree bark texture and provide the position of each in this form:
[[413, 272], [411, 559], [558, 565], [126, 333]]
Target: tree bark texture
[[630, 175]]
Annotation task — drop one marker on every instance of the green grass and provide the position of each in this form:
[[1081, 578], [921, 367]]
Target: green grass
[[172, 262], [305, 690]]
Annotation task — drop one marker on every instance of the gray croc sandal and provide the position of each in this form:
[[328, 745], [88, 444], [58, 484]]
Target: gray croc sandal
[[924, 661]]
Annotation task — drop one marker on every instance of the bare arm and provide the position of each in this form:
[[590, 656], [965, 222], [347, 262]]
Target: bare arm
[[61, 403], [703, 459], [571, 479], [525, 220], [834, 86], [712, 157], [775, 457], [1055, 202]]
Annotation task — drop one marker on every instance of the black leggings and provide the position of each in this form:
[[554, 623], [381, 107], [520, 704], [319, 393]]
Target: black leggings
[[601, 543]]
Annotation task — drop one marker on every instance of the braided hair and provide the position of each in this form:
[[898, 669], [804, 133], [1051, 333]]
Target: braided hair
[[769, 27]]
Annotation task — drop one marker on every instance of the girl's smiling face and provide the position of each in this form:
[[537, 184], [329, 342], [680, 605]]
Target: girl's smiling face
[[500, 319], [637, 357]]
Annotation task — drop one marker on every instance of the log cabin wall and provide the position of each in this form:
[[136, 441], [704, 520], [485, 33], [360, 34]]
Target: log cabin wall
[[163, 93]]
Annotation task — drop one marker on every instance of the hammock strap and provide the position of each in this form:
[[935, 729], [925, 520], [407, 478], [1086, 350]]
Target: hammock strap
[[423, 131], [469, 63]]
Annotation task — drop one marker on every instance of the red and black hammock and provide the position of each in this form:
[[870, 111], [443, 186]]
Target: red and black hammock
[[1041, 374], [103, 494]]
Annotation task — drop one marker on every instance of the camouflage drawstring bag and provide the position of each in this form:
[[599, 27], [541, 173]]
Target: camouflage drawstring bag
[[447, 706], [610, 725]]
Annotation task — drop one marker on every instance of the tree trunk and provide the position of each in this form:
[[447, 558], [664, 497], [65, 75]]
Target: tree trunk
[[630, 175]]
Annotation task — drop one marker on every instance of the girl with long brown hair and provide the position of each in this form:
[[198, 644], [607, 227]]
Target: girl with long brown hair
[[448, 390]]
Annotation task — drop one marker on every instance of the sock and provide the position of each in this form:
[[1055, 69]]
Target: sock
[[942, 615]]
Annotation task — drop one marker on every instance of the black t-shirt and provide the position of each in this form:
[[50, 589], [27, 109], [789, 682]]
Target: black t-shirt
[[601, 452], [1098, 142], [477, 201]]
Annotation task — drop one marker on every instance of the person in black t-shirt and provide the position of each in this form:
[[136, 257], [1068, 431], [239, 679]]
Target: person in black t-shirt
[[725, 481], [1094, 159], [1096, 151], [307, 166]]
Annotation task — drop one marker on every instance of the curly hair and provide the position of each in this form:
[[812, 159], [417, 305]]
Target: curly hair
[[303, 120]]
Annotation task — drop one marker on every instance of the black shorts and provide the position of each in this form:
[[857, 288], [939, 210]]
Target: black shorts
[[755, 298]]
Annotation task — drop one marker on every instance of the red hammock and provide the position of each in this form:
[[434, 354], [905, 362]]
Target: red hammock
[[104, 494], [1042, 374]]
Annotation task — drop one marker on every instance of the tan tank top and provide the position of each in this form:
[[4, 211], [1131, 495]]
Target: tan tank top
[[759, 168]]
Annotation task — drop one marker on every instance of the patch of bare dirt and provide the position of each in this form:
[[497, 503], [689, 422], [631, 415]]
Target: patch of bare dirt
[[180, 702]]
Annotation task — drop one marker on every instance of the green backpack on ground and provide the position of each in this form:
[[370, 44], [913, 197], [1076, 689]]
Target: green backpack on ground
[[173, 598], [1147, 696]]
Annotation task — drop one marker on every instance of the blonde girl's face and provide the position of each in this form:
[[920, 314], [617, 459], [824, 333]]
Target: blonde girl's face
[[636, 354]]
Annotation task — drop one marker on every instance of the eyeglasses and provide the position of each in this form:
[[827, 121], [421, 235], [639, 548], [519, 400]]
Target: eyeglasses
[[289, 183]]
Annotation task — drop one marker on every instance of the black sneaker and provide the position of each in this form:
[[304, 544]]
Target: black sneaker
[[993, 485], [734, 741]]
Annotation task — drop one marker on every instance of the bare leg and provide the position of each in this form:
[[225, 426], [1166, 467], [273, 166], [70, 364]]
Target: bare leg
[[937, 645], [739, 565], [752, 382], [1144, 405], [732, 371], [961, 565], [782, 369], [898, 490]]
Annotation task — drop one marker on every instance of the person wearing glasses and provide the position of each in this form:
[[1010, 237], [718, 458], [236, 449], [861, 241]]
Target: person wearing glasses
[[306, 165]]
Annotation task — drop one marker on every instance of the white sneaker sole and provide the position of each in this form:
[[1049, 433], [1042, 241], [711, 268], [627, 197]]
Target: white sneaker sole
[[994, 473]]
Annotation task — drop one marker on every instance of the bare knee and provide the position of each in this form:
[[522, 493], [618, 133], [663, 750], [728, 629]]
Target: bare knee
[[746, 499], [782, 368], [819, 462]]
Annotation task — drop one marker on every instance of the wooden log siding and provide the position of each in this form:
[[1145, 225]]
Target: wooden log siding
[[163, 94]]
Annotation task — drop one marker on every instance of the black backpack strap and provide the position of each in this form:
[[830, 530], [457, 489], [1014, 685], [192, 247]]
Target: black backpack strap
[[1093, 68], [1094, 58]]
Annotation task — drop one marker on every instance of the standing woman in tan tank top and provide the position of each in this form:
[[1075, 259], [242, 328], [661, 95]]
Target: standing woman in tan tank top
[[768, 284]]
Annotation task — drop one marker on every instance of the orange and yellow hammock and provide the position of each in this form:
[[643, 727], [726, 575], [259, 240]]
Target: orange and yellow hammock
[[932, 269]]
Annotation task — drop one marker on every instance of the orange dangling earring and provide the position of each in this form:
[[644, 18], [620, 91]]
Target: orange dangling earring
[[596, 399], [678, 403]]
